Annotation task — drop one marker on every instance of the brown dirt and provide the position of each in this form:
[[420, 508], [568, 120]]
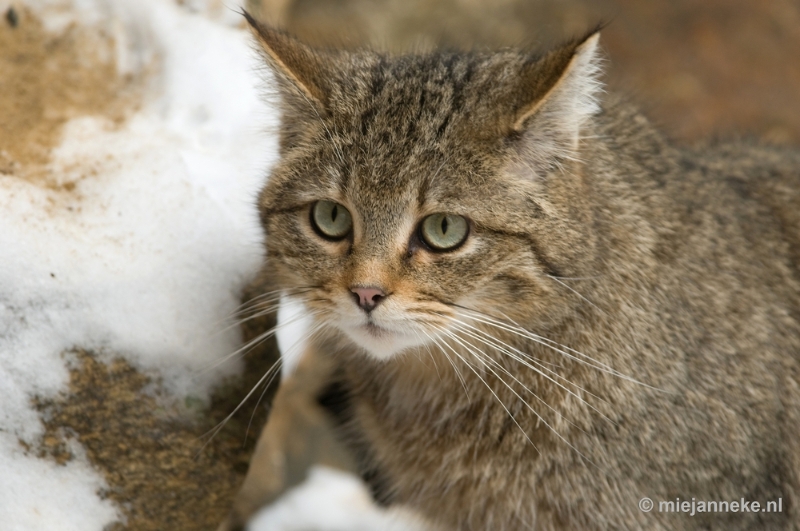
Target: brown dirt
[[46, 79], [149, 447]]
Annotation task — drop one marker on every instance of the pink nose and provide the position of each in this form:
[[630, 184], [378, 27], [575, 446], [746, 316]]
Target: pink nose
[[369, 297]]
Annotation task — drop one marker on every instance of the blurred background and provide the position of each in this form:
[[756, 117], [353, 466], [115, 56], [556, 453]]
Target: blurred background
[[699, 69], [716, 67]]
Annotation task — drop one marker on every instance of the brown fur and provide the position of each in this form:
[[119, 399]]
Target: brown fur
[[665, 281]]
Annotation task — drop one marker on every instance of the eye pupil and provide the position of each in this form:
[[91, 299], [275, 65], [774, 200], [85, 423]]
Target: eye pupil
[[444, 232], [331, 220]]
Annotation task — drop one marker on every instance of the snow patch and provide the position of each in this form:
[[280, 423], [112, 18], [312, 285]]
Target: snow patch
[[330, 500], [146, 255]]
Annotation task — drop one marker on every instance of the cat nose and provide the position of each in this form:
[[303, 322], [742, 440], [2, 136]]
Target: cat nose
[[369, 297]]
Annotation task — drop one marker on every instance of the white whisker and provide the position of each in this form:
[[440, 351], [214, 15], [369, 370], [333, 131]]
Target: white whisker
[[260, 312], [247, 347], [268, 376], [564, 350], [524, 402], [216, 429], [443, 330], [271, 295], [525, 359], [430, 353], [256, 304], [290, 352], [483, 357], [556, 279], [458, 373]]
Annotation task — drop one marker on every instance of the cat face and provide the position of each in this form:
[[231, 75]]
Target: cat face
[[408, 193], [387, 262]]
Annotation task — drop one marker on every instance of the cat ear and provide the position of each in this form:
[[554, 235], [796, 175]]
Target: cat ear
[[303, 74], [563, 90]]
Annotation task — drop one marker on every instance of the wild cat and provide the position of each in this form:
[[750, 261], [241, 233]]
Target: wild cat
[[538, 312]]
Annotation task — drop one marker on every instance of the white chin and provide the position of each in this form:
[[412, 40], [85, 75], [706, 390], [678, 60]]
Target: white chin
[[379, 343]]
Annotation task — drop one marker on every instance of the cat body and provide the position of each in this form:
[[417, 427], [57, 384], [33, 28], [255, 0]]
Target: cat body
[[722, 429], [620, 320]]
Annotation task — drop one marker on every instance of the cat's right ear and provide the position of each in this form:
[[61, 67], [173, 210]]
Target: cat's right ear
[[302, 73], [556, 97]]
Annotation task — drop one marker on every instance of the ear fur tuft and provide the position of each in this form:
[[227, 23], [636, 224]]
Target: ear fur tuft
[[551, 125], [301, 71], [573, 97]]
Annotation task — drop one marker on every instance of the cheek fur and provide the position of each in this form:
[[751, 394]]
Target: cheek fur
[[293, 243]]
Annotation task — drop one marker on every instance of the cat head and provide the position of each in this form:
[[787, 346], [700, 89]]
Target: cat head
[[413, 190]]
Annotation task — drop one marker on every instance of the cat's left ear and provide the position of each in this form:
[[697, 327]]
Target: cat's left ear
[[303, 74], [562, 96]]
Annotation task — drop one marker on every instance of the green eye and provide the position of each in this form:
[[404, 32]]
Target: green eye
[[331, 220], [444, 232]]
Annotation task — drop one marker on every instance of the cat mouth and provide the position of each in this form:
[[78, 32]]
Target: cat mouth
[[374, 330], [381, 341], [378, 341]]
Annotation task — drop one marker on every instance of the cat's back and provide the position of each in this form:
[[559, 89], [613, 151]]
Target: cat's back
[[744, 200], [720, 208], [737, 232], [762, 184]]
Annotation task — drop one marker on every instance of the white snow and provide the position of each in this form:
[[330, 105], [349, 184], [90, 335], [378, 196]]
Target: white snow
[[37, 495], [330, 500], [146, 257]]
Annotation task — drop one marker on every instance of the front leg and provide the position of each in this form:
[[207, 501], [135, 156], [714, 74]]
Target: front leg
[[298, 434]]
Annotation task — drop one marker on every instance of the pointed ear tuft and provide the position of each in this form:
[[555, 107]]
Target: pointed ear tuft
[[566, 85], [574, 75], [300, 70]]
